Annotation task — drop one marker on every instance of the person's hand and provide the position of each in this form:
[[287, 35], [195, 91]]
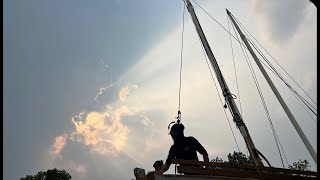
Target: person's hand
[[150, 172]]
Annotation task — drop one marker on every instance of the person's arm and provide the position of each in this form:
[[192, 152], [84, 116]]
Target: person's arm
[[168, 162], [165, 168], [201, 150], [205, 157]]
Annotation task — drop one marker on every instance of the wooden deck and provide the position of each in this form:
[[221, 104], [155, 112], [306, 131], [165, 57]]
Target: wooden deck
[[241, 171], [197, 170]]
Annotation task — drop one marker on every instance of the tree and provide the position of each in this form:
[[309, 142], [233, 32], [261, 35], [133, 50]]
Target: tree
[[300, 165], [239, 158], [53, 174], [235, 159]]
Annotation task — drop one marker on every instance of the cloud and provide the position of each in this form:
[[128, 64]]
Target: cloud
[[102, 91], [80, 169], [145, 120], [126, 91], [274, 20], [60, 142], [104, 132]]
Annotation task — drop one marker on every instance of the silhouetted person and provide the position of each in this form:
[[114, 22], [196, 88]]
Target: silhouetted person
[[183, 147], [158, 165]]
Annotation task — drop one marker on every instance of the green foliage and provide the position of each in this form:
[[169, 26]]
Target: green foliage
[[239, 158], [53, 174], [301, 165], [235, 159]]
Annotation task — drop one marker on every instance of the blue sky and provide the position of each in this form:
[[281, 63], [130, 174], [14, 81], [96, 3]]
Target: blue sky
[[90, 87]]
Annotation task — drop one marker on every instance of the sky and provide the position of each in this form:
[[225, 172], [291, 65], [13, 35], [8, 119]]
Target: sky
[[90, 87]]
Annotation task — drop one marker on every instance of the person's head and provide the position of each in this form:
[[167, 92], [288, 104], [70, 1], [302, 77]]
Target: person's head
[[158, 165], [176, 132]]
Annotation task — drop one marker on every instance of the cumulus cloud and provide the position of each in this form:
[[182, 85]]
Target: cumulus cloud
[[274, 21], [58, 145], [103, 132]]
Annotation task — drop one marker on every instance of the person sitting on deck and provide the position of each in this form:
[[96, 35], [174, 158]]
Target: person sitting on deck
[[183, 147], [158, 165]]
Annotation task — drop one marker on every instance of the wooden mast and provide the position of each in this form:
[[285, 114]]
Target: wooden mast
[[225, 90]]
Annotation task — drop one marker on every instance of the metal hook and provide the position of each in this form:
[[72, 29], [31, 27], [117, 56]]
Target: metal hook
[[179, 117]]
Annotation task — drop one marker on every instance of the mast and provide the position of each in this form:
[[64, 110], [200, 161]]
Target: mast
[[225, 90], [275, 91]]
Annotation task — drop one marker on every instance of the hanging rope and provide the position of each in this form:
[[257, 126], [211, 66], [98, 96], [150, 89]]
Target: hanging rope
[[180, 75]]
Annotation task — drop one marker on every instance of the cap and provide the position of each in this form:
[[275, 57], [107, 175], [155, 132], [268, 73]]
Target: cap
[[177, 129]]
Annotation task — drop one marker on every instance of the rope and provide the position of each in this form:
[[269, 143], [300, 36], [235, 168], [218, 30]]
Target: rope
[[274, 71], [218, 22], [275, 61], [218, 93], [284, 81], [181, 53], [260, 60], [305, 109], [234, 67], [297, 95], [262, 99], [262, 47], [221, 102]]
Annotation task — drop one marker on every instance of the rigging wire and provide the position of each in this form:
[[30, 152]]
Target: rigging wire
[[275, 60], [217, 22], [280, 77], [262, 99], [298, 96], [235, 71], [226, 31], [261, 46], [246, 48], [203, 50], [219, 96], [295, 94], [306, 110], [301, 98]]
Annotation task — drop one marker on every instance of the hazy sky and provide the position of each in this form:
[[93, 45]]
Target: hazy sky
[[91, 86]]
